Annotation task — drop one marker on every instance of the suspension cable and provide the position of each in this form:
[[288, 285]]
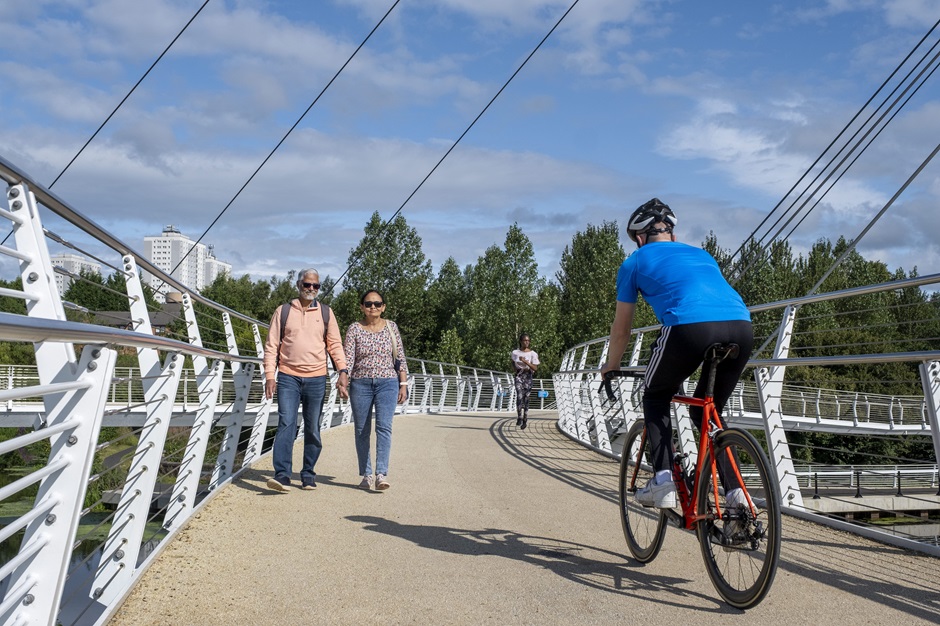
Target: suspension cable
[[123, 100], [753, 236], [286, 135], [154, 64], [467, 130]]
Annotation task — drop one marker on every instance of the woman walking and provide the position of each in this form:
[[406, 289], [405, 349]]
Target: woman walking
[[525, 361], [378, 380]]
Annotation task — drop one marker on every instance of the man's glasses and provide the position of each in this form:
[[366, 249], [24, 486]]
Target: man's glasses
[[372, 305], [310, 285]]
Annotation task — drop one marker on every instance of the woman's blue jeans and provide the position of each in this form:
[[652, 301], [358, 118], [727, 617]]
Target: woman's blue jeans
[[364, 395], [292, 391]]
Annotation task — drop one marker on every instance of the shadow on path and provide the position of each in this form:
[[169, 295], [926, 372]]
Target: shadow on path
[[900, 579], [586, 565]]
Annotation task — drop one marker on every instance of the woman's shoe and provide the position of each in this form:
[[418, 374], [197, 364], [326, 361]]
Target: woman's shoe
[[525, 422], [366, 482]]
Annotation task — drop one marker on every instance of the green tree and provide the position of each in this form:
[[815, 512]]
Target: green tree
[[587, 279], [446, 295], [505, 285], [389, 258], [15, 353]]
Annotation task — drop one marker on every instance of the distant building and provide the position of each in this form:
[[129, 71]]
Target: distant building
[[215, 267], [73, 264], [198, 268]]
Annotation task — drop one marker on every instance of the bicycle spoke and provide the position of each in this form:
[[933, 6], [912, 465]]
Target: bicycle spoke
[[644, 528], [741, 548]]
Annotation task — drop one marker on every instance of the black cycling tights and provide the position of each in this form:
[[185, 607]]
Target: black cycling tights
[[677, 353]]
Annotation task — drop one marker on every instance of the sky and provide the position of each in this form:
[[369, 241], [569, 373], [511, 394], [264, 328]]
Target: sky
[[718, 109]]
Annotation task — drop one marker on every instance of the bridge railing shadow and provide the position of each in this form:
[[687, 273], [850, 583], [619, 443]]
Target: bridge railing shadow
[[810, 551]]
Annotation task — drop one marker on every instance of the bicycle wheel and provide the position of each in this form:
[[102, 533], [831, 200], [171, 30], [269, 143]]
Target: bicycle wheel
[[644, 528], [741, 548]]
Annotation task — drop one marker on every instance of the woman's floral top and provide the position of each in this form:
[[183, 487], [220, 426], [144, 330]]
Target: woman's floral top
[[369, 355]]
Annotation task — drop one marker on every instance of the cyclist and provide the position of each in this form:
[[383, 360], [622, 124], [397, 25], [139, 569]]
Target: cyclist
[[697, 308]]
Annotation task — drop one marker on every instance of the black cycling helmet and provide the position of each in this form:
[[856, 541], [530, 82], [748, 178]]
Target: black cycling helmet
[[649, 214]]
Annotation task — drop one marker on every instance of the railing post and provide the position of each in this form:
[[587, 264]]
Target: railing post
[[930, 379], [685, 429], [256, 439], [121, 549], [770, 392], [598, 420], [41, 579], [242, 373], [209, 381], [444, 385], [34, 589], [461, 389]]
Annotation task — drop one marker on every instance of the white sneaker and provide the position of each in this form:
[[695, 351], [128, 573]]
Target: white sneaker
[[381, 482], [659, 495], [735, 498]]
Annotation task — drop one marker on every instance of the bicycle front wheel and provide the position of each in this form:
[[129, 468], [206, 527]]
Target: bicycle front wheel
[[644, 528], [741, 548]]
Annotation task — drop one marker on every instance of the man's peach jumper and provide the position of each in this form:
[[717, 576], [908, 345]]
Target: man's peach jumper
[[302, 351]]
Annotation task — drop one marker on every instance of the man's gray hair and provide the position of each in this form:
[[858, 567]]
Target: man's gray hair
[[304, 272]]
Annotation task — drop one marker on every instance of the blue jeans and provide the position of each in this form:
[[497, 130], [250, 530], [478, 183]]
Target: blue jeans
[[364, 394], [291, 392]]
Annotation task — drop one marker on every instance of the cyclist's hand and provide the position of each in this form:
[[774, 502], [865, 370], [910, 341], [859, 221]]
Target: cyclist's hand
[[606, 368]]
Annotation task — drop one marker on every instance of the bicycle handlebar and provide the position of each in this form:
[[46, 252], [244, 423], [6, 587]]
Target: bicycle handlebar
[[610, 375]]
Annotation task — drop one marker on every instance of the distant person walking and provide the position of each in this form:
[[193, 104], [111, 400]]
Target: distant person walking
[[299, 339], [525, 361], [379, 380]]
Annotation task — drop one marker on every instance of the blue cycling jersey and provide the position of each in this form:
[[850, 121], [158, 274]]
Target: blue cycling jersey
[[682, 283]]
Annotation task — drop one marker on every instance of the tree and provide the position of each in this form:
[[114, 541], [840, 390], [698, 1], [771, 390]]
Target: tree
[[446, 295], [389, 259], [587, 280], [505, 285]]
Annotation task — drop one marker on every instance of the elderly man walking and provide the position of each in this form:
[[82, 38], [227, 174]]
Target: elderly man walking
[[301, 334]]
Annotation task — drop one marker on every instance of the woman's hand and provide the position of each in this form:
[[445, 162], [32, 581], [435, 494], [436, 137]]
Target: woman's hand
[[402, 391], [342, 385]]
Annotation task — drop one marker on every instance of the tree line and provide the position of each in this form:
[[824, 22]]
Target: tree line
[[473, 315]]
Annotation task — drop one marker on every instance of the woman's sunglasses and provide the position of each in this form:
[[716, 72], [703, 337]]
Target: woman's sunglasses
[[372, 305]]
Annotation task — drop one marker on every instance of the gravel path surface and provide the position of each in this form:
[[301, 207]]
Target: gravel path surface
[[487, 524]]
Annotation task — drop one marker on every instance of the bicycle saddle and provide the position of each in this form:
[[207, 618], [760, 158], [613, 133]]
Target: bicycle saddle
[[721, 351]]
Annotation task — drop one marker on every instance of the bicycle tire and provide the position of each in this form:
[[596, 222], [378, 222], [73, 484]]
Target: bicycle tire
[[644, 528], [741, 553]]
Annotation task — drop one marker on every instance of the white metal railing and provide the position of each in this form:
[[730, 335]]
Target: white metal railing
[[116, 459]]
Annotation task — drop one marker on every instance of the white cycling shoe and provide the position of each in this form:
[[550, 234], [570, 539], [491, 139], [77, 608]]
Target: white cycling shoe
[[659, 495]]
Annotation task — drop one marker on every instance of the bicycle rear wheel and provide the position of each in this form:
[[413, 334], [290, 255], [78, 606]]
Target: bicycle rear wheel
[[741, 548], [644, 528]]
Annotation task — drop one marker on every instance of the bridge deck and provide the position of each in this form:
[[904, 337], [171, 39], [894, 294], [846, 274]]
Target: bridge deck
[[487, 524]]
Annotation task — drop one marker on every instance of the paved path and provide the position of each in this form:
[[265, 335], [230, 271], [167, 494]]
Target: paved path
[[487, 524]]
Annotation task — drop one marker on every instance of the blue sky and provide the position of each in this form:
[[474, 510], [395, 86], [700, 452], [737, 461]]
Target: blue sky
[[716, 108]]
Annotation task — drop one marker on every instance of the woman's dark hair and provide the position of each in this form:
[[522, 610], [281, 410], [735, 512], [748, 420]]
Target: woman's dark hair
[[523, 335], [362, 298]]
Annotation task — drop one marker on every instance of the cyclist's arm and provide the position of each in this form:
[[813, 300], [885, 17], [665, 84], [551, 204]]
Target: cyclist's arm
[[619, 335]]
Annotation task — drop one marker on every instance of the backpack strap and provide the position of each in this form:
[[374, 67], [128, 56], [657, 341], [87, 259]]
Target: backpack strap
[[285, 312]]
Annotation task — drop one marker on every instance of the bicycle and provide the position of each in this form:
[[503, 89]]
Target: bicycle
[[740, 545]]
